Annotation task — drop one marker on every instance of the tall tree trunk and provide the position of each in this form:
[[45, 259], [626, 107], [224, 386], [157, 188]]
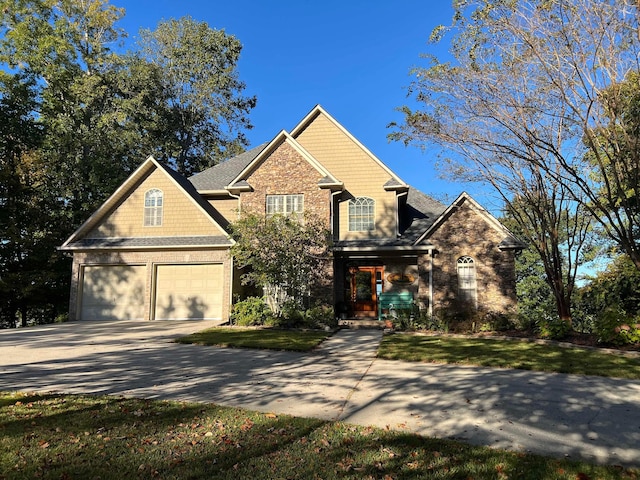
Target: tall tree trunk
[[23, 312]]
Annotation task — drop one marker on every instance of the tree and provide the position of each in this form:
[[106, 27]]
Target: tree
[[614, 154], [206, 111], [517, 105], [537, 303], [99, 115], [286, 256], [30, 270]]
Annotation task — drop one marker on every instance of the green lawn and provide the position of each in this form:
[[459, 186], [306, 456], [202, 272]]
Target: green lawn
[[78, 437], [273, 339], [522, 355]]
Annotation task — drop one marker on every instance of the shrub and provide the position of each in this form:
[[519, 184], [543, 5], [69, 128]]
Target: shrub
[[250, 311], [614, 327], [320, 316], [553, 328], [492, 321]]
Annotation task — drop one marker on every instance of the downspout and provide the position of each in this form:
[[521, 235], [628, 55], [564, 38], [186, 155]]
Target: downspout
[[232, 265], [431, 283], [332, 221], [398, 195], [332, 209]]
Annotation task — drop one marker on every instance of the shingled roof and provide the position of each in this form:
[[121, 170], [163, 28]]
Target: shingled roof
[[219, 176]]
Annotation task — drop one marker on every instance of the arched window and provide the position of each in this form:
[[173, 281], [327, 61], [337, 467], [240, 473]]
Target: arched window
[[361, 214], [467, 288], [153, 208]]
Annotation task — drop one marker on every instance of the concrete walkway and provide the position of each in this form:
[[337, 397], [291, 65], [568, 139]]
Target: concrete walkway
[[594, 418]]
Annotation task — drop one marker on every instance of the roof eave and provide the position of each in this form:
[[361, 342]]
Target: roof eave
[[390, 248], [71, 248]]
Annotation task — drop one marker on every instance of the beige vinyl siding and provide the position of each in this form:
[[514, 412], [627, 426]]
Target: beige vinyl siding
[[361, 174], [113, 292], [227, 207], [181, 216]]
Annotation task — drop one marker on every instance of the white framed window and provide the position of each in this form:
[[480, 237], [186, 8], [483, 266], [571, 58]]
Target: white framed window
[[467, 285], [285, 204], [361, 214], [153, 203]]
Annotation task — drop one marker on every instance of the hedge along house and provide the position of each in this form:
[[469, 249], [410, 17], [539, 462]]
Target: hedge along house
[[158, 248]]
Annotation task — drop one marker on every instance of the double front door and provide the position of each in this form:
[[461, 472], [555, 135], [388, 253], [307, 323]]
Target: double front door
[[366, 284]]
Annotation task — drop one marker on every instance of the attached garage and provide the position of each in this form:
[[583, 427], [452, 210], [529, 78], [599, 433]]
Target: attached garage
[[113, 292], [189, 291]]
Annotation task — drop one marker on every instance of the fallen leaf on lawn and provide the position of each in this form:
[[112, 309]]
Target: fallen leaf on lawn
[[271, 415]]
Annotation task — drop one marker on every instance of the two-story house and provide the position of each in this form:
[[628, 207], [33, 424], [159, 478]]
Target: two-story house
[[158, 248]]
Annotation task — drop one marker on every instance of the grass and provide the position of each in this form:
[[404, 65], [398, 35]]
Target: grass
[[69, 437], [272, 339], [508, 354]]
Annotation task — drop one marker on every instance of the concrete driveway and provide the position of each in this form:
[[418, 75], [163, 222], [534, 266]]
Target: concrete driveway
[[594, 418]]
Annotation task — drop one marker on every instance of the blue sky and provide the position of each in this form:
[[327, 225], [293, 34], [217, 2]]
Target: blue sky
[[353, 57]]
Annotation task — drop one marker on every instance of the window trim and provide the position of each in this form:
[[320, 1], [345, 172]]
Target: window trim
[[467, 280], [359, 221], [153, 212], [285, 204]]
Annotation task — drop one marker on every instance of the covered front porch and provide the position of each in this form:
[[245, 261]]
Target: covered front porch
[[361, 277]]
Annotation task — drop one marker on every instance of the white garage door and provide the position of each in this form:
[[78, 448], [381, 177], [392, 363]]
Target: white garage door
[[113, 292], [189, 292]]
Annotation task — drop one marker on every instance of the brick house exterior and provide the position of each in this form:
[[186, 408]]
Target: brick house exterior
[[159, 247]]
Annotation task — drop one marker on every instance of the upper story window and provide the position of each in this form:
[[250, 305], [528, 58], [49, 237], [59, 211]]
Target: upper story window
[[467, 287], [361, 214], [285, 204], [153, 208]]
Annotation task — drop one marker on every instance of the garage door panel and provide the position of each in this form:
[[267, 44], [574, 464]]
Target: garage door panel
[[113, 292], [189, 291]]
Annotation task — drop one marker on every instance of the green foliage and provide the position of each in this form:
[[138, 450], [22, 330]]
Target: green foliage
[[614, 327], [76, 119], [528, 103], [285, 255], [465, 319], [253, 311], [615, 162], [553, 328], [610, 302], [250, 311], [206, 112]]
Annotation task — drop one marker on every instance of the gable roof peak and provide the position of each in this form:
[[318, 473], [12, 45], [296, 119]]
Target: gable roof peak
[[319, 110], [282, 137], [129, 185], [510, 242]]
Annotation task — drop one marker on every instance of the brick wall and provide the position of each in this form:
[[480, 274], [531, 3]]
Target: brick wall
[[467, 233], [286, 172], [283, 172]]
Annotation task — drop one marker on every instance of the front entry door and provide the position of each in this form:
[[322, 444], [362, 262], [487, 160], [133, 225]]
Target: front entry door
[[364, 290]]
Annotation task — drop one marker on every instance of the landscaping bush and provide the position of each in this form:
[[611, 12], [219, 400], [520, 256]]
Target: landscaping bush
[[320, 316], [613, 327], [250, 311], [253, 311], [553, 328]]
